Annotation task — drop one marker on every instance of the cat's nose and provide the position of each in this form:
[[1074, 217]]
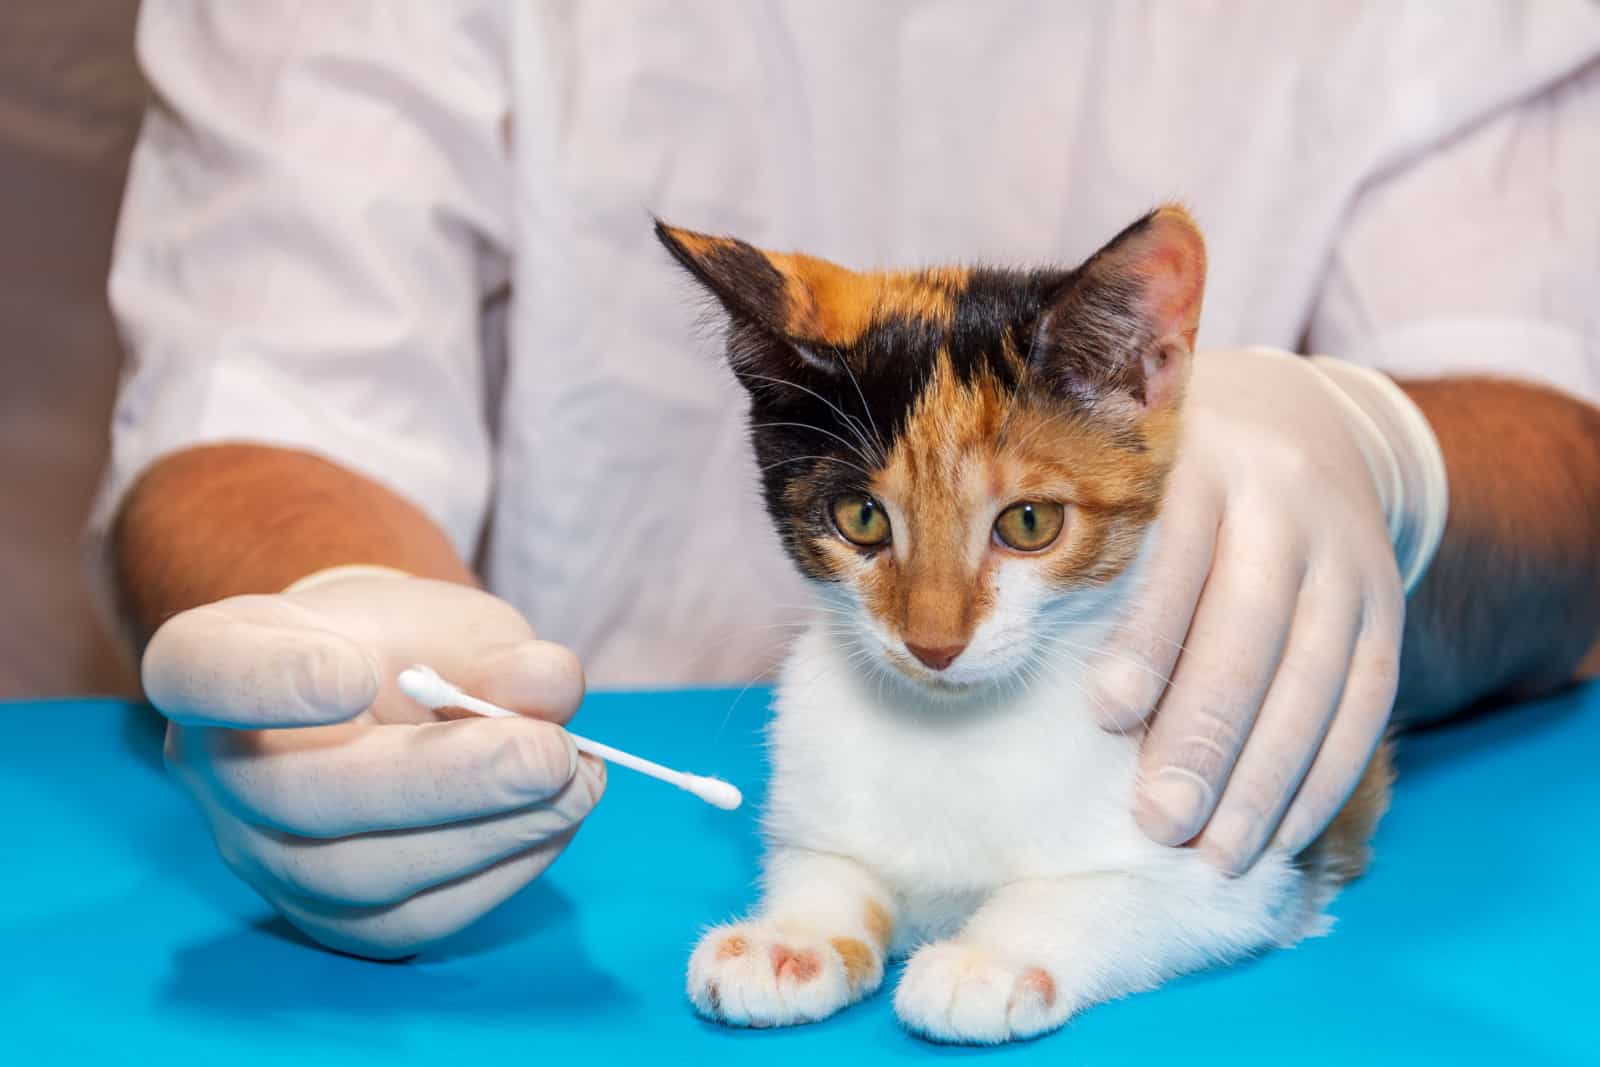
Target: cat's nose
[[936, 658]]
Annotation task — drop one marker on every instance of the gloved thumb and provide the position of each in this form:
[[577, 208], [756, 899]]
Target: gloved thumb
[[253, 662], [537, 678]]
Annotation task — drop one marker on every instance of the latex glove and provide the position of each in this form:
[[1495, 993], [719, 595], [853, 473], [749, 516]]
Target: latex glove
[[1273, 600], [387, 829]]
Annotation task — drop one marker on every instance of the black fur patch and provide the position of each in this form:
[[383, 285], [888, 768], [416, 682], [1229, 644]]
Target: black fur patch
[[738, 275]]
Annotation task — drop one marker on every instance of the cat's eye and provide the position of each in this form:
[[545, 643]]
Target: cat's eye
[[860, 520], [1030, 525]]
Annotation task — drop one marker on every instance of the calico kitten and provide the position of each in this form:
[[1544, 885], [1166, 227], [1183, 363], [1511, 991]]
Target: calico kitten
[[967, 463]]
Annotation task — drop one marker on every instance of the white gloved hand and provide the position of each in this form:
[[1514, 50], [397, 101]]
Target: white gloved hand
[[369, 823], [1273, 601]]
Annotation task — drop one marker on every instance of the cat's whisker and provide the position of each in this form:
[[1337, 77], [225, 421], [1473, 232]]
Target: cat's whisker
[[794, 627], [824, 459], [1068, 648], [830, 609], [828, 667], [1078, 686], [844, 634], [1062, 641], [852, 446], [883, 448], [853, 423], [1152, 635], [727, 716], [1112, 654]]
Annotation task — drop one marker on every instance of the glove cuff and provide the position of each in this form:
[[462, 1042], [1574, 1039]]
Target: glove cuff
[[1403, 455], [347, 570]]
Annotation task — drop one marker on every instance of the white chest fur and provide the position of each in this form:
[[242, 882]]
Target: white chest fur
[[947, 801]]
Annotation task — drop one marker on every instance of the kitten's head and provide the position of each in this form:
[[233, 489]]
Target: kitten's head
[[958, 455]]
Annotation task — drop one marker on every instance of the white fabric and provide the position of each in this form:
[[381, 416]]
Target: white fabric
[[1482, 257], [328, 195]]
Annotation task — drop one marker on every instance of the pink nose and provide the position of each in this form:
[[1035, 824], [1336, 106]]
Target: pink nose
[[935, 658]]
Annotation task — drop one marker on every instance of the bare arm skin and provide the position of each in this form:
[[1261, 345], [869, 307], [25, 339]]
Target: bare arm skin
[[219, 520], [1511, 606]]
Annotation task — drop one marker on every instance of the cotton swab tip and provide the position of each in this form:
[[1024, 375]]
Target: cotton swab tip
[[714, 791], [424, 685]]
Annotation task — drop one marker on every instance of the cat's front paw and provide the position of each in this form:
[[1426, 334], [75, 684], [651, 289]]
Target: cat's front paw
[[964, 994], [755, 974]]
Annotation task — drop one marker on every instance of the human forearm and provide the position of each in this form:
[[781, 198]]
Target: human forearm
[[219, 520], [1511, 604]]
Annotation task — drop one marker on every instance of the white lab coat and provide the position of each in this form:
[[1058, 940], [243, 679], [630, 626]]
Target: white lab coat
[[415, 237]]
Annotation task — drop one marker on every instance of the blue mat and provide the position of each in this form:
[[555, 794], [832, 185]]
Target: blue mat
[[124, 940]]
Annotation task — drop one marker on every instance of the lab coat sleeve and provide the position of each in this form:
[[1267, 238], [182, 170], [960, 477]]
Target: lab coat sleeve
[[1481, 256], [316, 217]]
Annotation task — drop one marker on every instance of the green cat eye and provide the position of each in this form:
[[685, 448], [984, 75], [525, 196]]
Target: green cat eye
[[1030, 525], [860, 520]]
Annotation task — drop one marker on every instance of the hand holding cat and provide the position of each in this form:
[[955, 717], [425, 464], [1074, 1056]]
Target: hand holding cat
[[371, 825], [1267, 643]]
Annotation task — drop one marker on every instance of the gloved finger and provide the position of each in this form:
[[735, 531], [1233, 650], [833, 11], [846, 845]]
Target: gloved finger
[[1358, 726], [1220, 680], [1294, 717], [332, 781], [1127, 685], [537, 678], [255, 662], [398, 930], [369, 870]]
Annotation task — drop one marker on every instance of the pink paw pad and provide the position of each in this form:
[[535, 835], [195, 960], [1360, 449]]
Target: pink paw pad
[[797, 966], [1036, 984]]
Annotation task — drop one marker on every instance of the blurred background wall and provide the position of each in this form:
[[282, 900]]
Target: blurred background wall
[[70, 101]]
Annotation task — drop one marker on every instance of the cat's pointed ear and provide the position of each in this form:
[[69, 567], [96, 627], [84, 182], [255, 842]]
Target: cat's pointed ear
[[807, 307], [1119, 331]]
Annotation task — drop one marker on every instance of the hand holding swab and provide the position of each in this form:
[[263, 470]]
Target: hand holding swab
[[424, 685]]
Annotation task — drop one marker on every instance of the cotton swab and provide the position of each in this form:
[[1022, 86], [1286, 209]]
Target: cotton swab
[[424, 685]]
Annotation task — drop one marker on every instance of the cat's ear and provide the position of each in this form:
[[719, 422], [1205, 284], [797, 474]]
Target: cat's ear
[[1119, 331], [804, 308]]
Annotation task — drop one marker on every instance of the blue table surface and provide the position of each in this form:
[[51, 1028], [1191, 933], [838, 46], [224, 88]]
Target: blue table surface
[[124, 940]]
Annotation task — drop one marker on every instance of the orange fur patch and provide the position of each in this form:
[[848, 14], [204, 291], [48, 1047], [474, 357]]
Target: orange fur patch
[[732, 948], [1344, 849], [858, 959], [879, 925], [832, 305], [935, 481]]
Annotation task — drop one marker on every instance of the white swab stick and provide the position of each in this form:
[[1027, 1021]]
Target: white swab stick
[[424, 685]]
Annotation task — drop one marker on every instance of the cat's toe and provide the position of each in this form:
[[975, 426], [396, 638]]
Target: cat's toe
[[963, 994], [1034, 1007], [752, 974], [954, 992]]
